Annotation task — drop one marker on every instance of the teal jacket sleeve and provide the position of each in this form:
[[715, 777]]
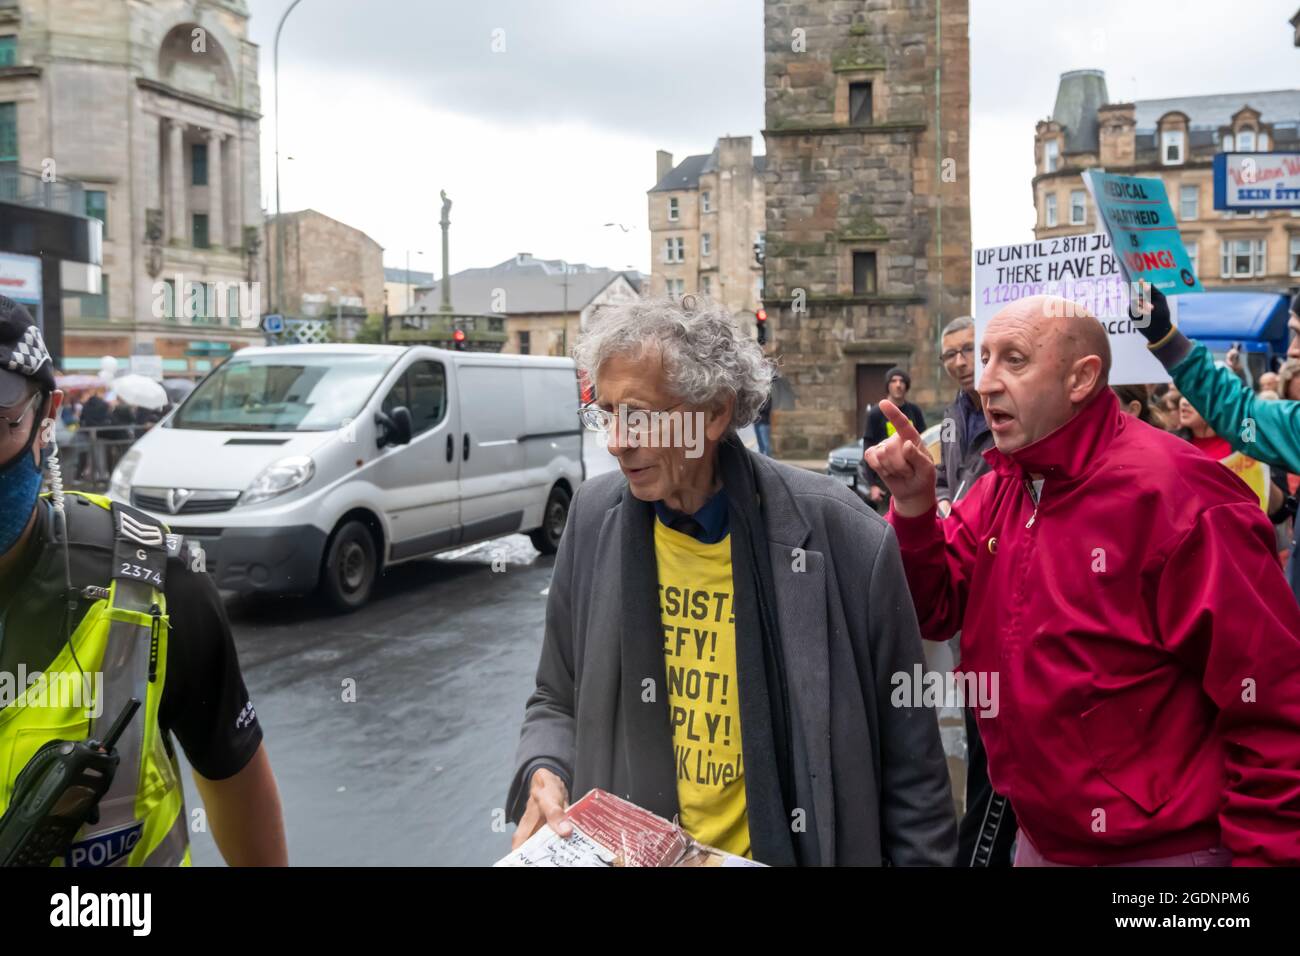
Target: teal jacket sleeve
[[1265, 430]]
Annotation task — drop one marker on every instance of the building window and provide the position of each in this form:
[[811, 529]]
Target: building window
[[1228, 143], [860, 104], [8, 132], [675, 286], [706, 285], [89, 306], [1078, 207], [97, 206], [8, 50], [1171, 147], [864, 273], [1194, 253], [1245, 140], [705, 202], [525, 343], [675, 250], [1189, 202], [1295, 255], [168, 300], [681, 249], [199, 164], [199, 231], [1049, 210], [673, 212], [233, 317], [1243, 258], [1051, 155], [1263, 141], [706, 244]]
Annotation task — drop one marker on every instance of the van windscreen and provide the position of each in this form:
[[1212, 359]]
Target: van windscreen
[[289, 393]]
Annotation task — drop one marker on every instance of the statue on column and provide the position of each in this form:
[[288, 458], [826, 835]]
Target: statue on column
[[446, 254]]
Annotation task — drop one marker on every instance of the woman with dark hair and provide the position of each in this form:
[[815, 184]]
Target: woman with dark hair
[[1135, 400]]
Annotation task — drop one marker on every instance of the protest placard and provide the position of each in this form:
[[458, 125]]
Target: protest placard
[[1080, 269], [1136, 213]]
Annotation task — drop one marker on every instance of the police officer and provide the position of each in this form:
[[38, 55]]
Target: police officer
[[105, 605]]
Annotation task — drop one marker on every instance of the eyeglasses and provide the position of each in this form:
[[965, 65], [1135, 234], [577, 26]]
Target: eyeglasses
[[636, 421], [18, 420], [966, 351]]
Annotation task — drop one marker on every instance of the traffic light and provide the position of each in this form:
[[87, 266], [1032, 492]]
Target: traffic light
[[458, 340], [761, 318]]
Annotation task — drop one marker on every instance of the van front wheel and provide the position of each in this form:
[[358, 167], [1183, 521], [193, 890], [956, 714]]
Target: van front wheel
[[546, 539], [351, 564]]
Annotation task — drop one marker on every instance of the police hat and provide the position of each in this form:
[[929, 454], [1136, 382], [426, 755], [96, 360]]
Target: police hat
[[23, 356]]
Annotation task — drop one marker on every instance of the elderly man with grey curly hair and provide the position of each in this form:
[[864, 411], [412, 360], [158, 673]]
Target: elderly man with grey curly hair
[[724, 631]]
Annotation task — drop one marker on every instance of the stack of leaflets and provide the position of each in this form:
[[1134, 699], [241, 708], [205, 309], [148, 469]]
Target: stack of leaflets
[[609, 831]]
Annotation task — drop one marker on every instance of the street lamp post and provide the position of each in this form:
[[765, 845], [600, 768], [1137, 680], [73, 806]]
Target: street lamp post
[[279, 223]]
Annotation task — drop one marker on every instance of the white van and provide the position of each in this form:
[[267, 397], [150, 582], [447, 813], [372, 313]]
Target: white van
[[297, 467]]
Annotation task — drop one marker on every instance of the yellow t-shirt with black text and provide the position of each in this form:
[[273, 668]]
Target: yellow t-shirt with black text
[[695, 609]]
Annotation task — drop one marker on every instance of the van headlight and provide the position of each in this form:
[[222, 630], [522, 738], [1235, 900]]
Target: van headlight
[[278, 477], [119, 486]]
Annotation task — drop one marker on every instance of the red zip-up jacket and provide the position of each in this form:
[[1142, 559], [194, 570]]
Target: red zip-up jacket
[[1145, 643]]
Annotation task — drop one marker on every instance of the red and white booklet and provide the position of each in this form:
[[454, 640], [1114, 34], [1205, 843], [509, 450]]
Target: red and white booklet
[[610, 831]]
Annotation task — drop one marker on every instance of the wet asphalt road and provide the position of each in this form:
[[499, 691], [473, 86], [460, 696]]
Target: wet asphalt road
[[410, 773]]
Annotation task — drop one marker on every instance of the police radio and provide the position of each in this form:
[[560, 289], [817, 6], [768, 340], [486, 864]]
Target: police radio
[[57, 793]]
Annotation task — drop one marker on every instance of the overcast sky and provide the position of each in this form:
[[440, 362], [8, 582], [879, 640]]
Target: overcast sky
[[541, 119]]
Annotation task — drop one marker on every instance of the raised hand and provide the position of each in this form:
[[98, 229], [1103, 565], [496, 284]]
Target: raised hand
[[904, 465]]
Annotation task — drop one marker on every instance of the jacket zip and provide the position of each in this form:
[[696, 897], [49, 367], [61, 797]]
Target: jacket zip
[[1029, 487]]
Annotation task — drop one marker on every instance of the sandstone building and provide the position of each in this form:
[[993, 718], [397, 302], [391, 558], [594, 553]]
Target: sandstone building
[[868, 212], [331, 271], [154, 106], [706, 216], [1175, 140]]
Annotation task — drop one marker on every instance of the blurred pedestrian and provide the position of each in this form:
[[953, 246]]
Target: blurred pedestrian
[[720, 626], [1288, 380], [95, 416], [897, 384], [1125, 590], [1135, 400], [763, 427]]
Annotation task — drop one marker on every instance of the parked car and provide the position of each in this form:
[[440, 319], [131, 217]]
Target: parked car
[[843, 462], [317, 466]]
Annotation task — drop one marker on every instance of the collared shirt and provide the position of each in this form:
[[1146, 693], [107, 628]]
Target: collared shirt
[[713, 518]]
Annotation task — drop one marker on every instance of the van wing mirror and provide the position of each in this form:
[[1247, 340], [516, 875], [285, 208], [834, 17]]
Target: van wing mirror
[[394, 429]]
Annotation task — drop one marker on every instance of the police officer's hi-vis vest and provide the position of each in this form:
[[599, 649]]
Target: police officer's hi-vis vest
[[123, 637]]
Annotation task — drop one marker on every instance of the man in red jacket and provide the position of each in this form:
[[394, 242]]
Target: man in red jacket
[[1123, 589]]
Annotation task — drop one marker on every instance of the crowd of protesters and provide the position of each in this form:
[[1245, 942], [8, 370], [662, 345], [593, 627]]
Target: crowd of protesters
[[94, 430], [1120, 585]]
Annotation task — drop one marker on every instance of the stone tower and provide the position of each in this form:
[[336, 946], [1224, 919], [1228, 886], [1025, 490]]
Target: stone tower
[[868, 208]]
